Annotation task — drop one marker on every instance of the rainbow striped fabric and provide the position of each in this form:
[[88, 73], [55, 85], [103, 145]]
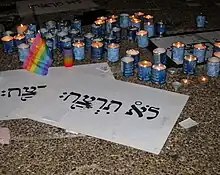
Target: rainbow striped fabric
[[39, 58]]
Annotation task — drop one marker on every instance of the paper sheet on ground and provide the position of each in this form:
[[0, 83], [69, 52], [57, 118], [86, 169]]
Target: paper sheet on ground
[[21, 78], [125, 113]]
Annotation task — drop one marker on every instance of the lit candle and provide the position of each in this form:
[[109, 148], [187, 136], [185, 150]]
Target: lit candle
[[19, 38], [21, 29], [178, 51], [136, 23], [97, 51], [23, 50], [189, 64], [142, 39], [185, 81], [79, 50], [149, 27], [130, 18], [213, 66], [113, 52], [108, 40], [29, 34], [158, 74], [216, 47], [203, 80], [144, 70], [8, 44], [199, 51], [148, 18], [135, 54], [110, 23], [102, 24]]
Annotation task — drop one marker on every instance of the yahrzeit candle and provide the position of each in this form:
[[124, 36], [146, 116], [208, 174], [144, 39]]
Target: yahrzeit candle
[[124, 20], [189, 64], [8, 44], [178, 51], [23, 50], [148, 18], [79, 50], [213, 66], [159, 74], [216, 47], [110, 23], [113, 52], [18, 39], [21, 29], [97, 51], [135, 54], [200, 52], [136, 23], [159, 56], [144, 70], [127, 66], [149, 27], [142, 39]]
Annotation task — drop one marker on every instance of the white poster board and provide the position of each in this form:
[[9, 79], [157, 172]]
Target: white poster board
[[121, 112], [19, 87], [53, 6], [188, 40]]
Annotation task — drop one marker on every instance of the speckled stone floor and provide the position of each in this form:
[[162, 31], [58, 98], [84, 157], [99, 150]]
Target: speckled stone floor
[[37, 148]]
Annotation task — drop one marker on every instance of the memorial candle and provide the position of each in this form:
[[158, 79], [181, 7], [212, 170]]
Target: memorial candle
[[213, 66], [159, 74], [23, 50], [142, 39], [178, 51], [79, 50], [8, 44], [124, 20], [18, 39], [102, 24], [113, 52], [216, 47], [185, 81], [199, 51], [148, 18], [97, 51], [136, 23], [139, 15], [21, 29], [134, 54], [110, 23]]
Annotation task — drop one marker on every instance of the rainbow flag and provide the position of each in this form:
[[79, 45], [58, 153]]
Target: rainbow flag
[[39, 58]]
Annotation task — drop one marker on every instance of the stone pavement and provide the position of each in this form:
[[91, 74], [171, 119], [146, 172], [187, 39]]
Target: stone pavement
[[40, 149]]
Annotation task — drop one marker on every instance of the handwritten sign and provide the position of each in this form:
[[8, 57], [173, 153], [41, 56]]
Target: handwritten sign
[[121, 112], [53, 6], [19, 87], [208, 38]]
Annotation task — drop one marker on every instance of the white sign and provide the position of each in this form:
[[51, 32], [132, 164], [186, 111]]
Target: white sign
[[121, 112], [19, 87], [53, 6], [189, 40]]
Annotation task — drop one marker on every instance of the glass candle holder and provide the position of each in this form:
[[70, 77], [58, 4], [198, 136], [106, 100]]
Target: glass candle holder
[[43, 32], [199, 51], [160, 29], [65, 42], [72, 33], [33, 28], [203, 80], [8, 33], [60, 35], [96, 30], [8, 44], [178, 51], [53, 38], [29, 34], [108, 40], [103, 18], [200, 21], [30, 41], [76, 24], [50, 25], [79, 50], [142, 39], [139, 15]]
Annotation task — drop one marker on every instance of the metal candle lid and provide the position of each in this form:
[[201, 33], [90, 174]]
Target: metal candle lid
[[190, 57], [159, 66], [78, 44], [124, 15], [145, 63], [132, 52], [19, 37], [178, 44], [200, 46], [7, 38], [214, 59], [97, 44]]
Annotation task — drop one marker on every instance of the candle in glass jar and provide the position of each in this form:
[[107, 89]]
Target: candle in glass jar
[[144, 70], [178, 51], [8, 44], [102, 24], [200, 21], [60, 35], [134, 54], [158, 74], [149, 27], [32, 27], [142, 39], [50, 25], [43, 32], [110, 23], [21, 29], [79, 50], [189, 64], [159, 56], [199, 51], [113, 52], [72, 33], [108, 40], [97, 51], [18, 39], [23, 50], [68, 60], [160, 28], [213, 66]]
